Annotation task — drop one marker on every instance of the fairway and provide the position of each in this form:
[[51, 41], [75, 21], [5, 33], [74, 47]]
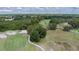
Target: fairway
[[17, 42], [2, 42]]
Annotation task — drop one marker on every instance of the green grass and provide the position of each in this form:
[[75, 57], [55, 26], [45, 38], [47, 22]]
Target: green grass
[[17, 42], [45, 23], [2, 42], [76, 30], [30, 47], [76, 33]]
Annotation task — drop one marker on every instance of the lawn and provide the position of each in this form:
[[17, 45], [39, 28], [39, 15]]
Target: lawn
[[16, 42]]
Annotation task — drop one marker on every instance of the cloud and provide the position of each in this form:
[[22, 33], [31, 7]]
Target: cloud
[[19, 7], [6, 10]]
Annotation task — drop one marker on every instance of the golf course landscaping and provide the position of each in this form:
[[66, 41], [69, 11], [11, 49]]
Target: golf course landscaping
[[39, 33], [58, 40], [17, 42]]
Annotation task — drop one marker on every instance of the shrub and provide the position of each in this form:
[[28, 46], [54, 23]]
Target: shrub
[[74, 23], [67, 28]]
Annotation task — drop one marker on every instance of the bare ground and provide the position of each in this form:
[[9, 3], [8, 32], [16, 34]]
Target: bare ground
[[57, 40]]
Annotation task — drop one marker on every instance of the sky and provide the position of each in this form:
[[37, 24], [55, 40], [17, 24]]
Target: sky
[[39, 10]]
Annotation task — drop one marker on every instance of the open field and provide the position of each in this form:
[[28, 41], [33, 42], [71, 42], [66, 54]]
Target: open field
[[60, 40]]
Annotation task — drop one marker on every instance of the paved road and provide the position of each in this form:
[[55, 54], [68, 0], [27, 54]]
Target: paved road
[[42, 49]]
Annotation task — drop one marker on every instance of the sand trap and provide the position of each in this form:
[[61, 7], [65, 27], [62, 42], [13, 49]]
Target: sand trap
[[3, 36], [23, 32], [11, 32]]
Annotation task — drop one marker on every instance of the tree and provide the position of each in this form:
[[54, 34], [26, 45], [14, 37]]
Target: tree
[[74, 23], [56, 20], [52, 26], [42, 32], [36, 33], [67, 28], [34, 36]]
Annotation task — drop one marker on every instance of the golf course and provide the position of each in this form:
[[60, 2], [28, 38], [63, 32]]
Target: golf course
[[39, 32]]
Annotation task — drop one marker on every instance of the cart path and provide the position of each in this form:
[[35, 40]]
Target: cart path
[[42, 49]]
